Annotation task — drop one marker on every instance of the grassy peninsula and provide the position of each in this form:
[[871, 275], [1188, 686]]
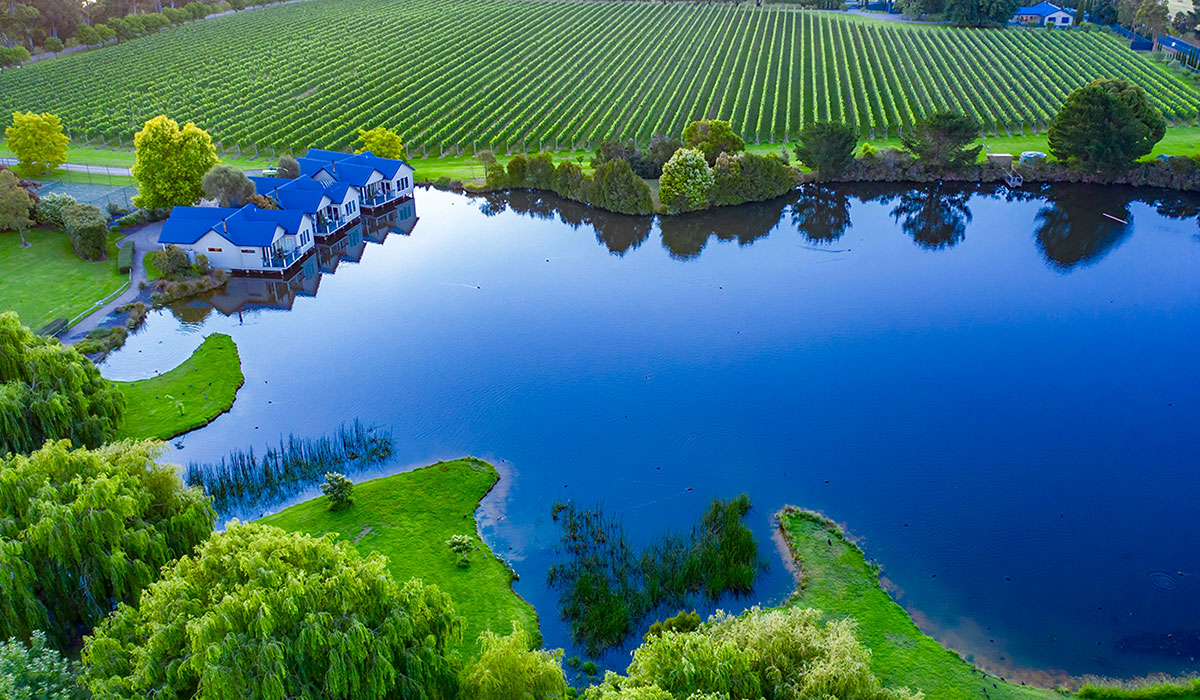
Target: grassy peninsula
[[837, 580], [187, 397], [408, 518]]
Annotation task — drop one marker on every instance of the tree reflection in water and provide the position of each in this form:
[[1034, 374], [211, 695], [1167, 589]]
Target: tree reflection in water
[[822, 214], [686, 235], [1073, 228], [934, 216]]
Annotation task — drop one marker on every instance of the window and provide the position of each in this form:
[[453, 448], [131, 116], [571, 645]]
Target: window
[[214, 250], [249, 250]]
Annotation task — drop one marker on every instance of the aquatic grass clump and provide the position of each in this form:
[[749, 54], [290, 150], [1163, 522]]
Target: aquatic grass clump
[[1150, 689], [606, 587], [243, 477]]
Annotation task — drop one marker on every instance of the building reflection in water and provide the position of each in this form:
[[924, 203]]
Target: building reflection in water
[[242, 294]]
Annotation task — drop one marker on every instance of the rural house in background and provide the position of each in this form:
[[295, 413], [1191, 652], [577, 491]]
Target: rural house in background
[[1044, 13], [322, 204]]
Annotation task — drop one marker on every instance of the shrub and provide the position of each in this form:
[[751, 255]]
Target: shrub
[[569, 180], [49, 210], [101, 341], [539, 171], [589, 668], [36, 671], [462, 545], [660, 150], [682, 622], [87, 228], [172, 262], [339, 490], [614, 187], [287, 167], [515, 174], [615, 149], [686, 181], [827, 147]]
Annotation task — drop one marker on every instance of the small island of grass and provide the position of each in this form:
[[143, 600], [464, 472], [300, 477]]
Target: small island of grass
[[408, 518], [187, 397], [837, 580]]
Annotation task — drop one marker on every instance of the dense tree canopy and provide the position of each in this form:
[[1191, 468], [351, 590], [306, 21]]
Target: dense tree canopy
[[786, 654], [615, 187], [38, 141], [1105, 124], [381, 141], [83, 529], [712, 137], [258, 613], [942, 140], [980, 13], [170, 163], [35, 671], [49, 391], [509, 668], [686, 181], [827, 147]]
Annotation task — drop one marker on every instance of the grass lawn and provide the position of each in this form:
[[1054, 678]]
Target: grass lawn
[[408, 518], [839, 581], [124, 157], [152, 271], [48, 281], [187, 397]]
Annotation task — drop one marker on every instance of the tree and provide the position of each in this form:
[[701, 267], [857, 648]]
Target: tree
[[170, 163], [660, 150], [614, 187], [616, 149], [1104, 125], [13, 56], [511, 668], [686, 181], [827, 147], [36, 671], [258, 613], [381, 141], [339, 490], [287, 167], [226, 184], [462, 545], [84, 529], [49, 391], [712, 137], [15, 206], [53, 44], [38, 141], [1153, 17], [87, 35], [940, 140], [785, 653], [980, 13], [934, 217], [105, 32], [87, 229]]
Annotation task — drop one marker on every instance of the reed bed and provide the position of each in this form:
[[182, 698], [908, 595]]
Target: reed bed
[[295, 463], [606, 587]]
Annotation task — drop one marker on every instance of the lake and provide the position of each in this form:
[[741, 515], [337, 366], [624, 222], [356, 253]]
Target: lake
[[997, 393]]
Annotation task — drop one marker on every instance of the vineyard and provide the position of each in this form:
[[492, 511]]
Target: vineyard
[[524, 75]]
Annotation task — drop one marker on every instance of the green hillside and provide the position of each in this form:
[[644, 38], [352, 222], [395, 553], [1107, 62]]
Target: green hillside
[[552, 75]]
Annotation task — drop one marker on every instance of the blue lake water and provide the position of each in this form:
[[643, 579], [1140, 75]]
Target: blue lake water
[[998, 394]]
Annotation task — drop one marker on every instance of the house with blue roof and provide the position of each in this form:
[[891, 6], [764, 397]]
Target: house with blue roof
[[381, 182], [1044, 14], [334, 207], [263, 241]]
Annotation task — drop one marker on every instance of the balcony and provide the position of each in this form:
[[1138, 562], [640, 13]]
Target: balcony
[[378, 200], [326, 227], [282, 259]]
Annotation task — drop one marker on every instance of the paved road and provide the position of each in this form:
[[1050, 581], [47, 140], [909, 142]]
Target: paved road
[[80, 168], [145, 239]]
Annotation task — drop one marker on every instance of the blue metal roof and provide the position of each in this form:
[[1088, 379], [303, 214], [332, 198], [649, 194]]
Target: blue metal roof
[[301, 199], [337, 191], [267, 185], [1042, 9], [189, 224], [310, 167], [289, 219], [354, 174]]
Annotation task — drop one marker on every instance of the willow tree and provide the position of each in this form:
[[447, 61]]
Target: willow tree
[[50, 391], [81, 530], [258, 613]]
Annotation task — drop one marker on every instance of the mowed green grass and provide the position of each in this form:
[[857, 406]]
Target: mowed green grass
[[48, 281], [600, 70], [187, 397], [839, 581], [408, 518]]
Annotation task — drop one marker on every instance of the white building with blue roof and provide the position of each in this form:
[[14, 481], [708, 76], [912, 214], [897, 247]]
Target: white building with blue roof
[[323, 203], [1044, 13], [249, 238]]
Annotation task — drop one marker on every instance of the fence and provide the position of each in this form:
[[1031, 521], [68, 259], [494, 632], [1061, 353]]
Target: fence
[[98, 195]]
